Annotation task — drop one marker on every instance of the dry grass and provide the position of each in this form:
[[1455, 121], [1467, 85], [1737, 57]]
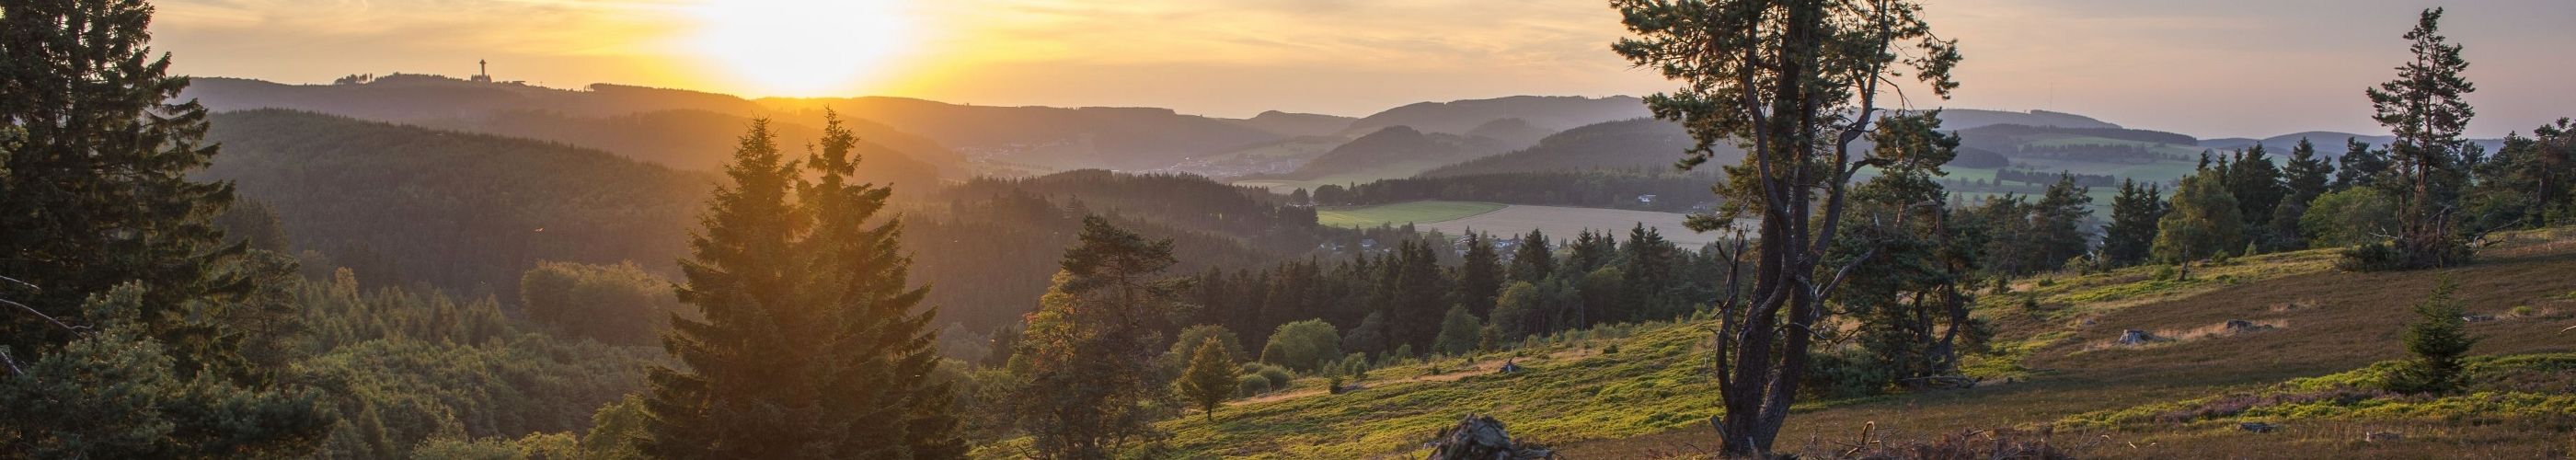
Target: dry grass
[[2332, 321]]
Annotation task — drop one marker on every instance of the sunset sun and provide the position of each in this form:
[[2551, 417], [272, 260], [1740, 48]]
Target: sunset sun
[[799, 47]]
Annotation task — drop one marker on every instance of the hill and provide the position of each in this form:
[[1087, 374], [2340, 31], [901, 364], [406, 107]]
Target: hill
[[1513, 133], [1633, 143], [682, 129], [1961, 119], [1550, 113], [1642, 390], [1297, 124], [404, 204], [1063, 138], [1395, 152]]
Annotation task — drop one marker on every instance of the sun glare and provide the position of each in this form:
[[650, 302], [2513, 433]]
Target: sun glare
[[801, 47]]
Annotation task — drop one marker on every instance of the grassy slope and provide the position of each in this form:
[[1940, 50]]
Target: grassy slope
[[1651, 398], [1416, 212]]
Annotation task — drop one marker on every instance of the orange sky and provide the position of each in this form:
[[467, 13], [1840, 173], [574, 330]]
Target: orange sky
[[2211, 68]]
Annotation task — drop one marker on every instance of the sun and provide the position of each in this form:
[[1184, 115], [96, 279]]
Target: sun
[[800, 47]]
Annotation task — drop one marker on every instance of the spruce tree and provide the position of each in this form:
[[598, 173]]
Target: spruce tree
[[2132, 231], [1210, 378], [1533, 262], [806, 343], [2438, 338], [97, 209], [2306, 177], [1089, 349], [2426, 108], [2360, 166], [1480, 275]]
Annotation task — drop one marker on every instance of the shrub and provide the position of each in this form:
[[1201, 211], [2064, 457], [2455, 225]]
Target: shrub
[[1251, 384], [1278, 376], [1847, 372], [1303, 345], [2438, 338]]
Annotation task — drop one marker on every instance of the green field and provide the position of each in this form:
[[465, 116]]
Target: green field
[[1417, 212]]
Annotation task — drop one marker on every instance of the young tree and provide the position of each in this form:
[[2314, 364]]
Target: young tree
[[1090, 347], [1211, 377], [1532, 262], [1480, 276], [2132, 232], [2425, 107], [806, 341], [2438, 338], [1458, 332], [97, 208], [1795, 83], [1302, 345], [2202, 223]]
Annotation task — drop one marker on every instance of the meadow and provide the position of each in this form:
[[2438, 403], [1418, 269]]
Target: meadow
[[1398, 214]]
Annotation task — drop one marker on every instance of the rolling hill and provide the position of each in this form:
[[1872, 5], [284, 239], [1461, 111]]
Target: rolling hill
[[1297, 124], [1633, 143], [1395, 152], [1063, 138], [1549, 113]]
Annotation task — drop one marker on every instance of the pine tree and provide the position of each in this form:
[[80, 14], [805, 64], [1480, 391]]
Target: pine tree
[[1533, 262], [2132, 232], [807, 343], [1210, 378], [2202, 223], [2059, 219], [2537, 171], [1089, 350], [2306, 177], [2360, 166], [1797, 83], [1646, 269], [2425, 107], [96, 200], [2438, 338], [2256, 183], [1480, 276], [1413, 294]]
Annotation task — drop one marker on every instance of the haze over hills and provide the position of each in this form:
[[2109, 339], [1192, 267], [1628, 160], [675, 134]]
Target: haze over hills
[[1551, 113], [1297, 124], [1397, 151]]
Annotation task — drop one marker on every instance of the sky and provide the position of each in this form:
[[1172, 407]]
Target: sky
[[2209, 68]]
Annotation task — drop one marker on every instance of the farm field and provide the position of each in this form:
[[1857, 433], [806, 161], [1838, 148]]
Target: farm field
[[1415, 212]]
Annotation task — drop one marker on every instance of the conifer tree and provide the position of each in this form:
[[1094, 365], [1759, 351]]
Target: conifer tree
[[97, 210], [2360, 166], [1091, 345], [806, 342], [2537, 171], [2132, 232], [1533, 262], [2306, 177], [1796, 83], [2425, 107], [2202, 222], [1480, 275], [1210, 378], [2438, 338]]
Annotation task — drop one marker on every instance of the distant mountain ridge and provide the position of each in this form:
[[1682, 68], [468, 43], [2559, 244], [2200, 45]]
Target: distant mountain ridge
[[1551, 113]]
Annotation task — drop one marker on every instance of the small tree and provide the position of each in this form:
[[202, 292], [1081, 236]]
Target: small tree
[[2438, 338], [1211, 377], [2202, 222], [1458, 332]]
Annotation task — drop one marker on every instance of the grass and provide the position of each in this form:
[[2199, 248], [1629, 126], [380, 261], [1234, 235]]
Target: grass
[[1416, 212], [2049, 374]]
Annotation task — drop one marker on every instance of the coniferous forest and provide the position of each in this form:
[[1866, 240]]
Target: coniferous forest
[[1793, 241]]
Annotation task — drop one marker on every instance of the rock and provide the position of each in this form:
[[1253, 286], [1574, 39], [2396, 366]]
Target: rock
[[2258, 427], [2134, 337], [2478, 318], [2378, 436], [1480, 437]]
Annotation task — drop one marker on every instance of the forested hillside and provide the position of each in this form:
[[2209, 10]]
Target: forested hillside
[[466, 212], [1636, 143]]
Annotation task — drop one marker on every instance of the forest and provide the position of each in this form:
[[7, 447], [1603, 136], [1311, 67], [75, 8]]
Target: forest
[[185, 283]]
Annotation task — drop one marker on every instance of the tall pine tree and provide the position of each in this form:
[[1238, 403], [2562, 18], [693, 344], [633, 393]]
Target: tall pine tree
[[1090, 348], [2426, 108], [1532, 262], [1480, 276], [806, 343]]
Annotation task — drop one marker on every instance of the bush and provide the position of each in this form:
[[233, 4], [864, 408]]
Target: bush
[[1278, 376], [1303, 345], [1847, 372], [1251, 384]]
